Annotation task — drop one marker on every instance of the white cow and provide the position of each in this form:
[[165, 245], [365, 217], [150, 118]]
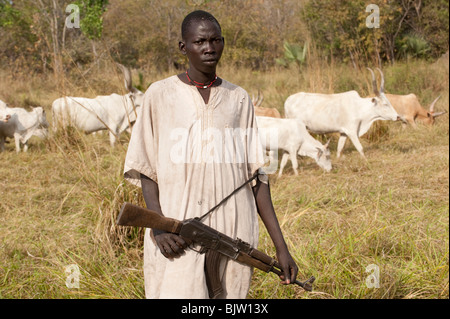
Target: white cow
[[346, 113], [4, 116], [114, 112], [292, 138], [22, 125]]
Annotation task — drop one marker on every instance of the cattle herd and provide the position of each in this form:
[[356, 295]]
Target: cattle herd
[[347, 114]]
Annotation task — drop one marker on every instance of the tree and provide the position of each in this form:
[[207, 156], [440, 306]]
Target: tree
[[48, 25], [339, 28], [293, 53], [17, 41], [435, 25], [91, 20]]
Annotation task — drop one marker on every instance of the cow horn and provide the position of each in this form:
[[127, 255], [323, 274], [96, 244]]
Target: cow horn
[[260, 99], [127, 77], [433, 104], [374, 83], [382, 80], [439, 114], [327, 143]]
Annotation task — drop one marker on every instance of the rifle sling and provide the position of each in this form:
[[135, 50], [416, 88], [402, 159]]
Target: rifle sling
[[228, 197]]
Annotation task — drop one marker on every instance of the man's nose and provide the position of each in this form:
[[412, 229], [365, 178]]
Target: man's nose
[[209, 47]]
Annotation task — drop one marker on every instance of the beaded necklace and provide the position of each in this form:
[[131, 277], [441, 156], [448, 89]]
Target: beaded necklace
[[201, 85]]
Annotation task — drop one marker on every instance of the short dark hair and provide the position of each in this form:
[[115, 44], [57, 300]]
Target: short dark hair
[[197, 16]]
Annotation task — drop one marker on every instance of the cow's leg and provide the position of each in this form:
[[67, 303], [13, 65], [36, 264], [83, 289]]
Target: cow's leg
[[54, 122], [271, 162], [112, 138], [2, 144], [17, 141], [341, 144], [271, 156], [293, 156], [357, 144], [284, 160], [25, 146], [411, 121], [268, 157]]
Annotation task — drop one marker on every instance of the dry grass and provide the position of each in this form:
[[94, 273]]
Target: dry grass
[[59, 200], [391, 212]]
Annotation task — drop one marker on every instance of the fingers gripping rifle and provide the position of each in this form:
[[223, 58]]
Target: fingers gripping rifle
[[209, 239]]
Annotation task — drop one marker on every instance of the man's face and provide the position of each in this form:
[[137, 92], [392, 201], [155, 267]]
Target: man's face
[[203, 45]]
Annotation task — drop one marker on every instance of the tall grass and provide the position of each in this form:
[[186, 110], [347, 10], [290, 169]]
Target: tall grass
[[59, 201]]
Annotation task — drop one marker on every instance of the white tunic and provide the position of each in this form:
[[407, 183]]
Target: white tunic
[[198, 154]]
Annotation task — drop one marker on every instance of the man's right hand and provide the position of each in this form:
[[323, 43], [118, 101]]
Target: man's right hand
[[170, 245]]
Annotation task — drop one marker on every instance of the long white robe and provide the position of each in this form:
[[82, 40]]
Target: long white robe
[[198, 154]]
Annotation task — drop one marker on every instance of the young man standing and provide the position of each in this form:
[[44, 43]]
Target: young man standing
[[180, 156]]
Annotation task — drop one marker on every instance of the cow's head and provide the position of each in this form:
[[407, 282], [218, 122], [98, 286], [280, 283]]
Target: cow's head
[[136, 95], [320, 153], [380, 102], [324, 157], [431, 114], [137, 98], [41, 124], [5, 118]]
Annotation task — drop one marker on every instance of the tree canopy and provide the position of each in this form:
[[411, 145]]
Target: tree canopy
[[145, 33]]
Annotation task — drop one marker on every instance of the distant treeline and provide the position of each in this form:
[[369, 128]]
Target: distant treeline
[[58, 35]]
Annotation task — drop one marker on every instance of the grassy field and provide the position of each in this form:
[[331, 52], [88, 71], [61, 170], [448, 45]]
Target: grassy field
[[59, 201]]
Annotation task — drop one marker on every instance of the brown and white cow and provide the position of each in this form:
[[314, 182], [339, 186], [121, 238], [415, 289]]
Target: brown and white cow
[[264, 111], [409, 107]]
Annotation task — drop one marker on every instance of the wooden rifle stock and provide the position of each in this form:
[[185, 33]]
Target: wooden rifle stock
[[133, 215]]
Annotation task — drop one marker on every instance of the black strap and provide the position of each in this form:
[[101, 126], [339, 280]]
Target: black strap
[[232, 193]]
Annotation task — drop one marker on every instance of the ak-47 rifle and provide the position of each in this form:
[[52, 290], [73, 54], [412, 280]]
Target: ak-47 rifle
[[209, 239]]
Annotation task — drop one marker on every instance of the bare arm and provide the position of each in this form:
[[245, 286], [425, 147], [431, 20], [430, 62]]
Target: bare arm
[[266, 211], [170, 245]]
